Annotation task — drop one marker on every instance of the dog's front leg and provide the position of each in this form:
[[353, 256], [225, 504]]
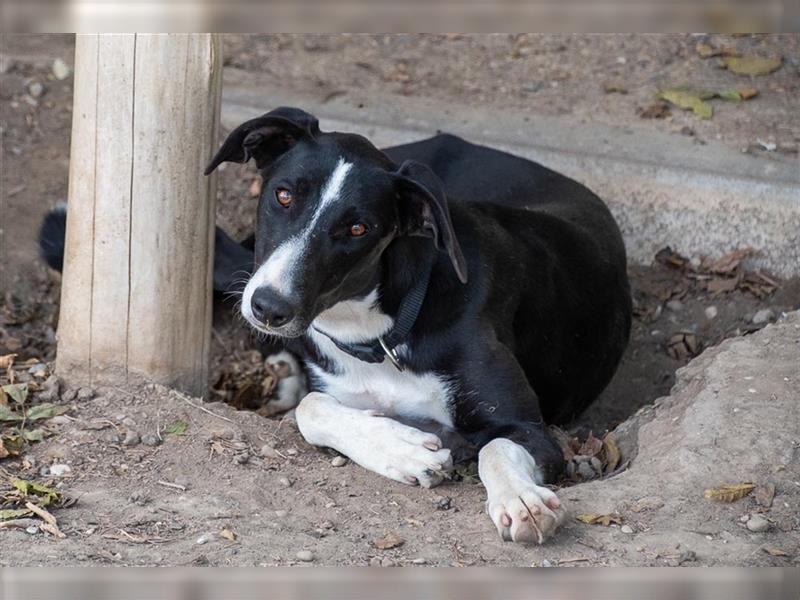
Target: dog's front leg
[[375, 442]]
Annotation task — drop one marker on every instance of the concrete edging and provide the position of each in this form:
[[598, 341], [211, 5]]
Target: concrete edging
[[664, 189]]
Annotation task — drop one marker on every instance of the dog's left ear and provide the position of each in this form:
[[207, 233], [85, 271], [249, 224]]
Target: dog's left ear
[[424, 210], [266, 137]]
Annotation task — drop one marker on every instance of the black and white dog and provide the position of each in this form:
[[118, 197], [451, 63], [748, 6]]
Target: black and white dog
[[441, 282], [444, 298]]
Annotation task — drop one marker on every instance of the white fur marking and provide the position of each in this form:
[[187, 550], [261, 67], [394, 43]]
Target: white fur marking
[[521, 510], [279, 271], [380, 386], [382, 445]]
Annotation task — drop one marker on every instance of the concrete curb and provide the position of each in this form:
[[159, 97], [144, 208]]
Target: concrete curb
[[664, 189]]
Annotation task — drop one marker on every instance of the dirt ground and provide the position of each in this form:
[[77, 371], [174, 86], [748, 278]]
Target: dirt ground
[[238, 472]]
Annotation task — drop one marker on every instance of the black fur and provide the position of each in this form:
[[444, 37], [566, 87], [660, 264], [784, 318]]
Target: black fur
[[52, 234]]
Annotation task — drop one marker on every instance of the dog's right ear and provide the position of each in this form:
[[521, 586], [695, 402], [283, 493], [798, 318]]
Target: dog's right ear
[[266, 137]]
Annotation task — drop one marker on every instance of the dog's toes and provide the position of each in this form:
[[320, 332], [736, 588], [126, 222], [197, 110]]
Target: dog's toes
[[531, 515]]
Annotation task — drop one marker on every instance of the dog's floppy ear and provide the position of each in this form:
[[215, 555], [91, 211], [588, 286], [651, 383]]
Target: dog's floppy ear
[[266, 137], [424, 210]]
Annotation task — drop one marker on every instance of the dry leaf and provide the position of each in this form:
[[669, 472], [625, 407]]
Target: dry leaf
[[667, 256], [729, 493], [390, 540], [7, 360], [3, 451], [657, 110], [764, 494], [773, 551], [709, 51], [227, 534], [591, 447], [729, 262], [747, 93], [694, 100], [682, 345], [720, 285], [752, 65], [598, 519], [613, 455]]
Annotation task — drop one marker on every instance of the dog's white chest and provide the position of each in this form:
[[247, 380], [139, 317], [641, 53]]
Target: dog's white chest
[[381, 386]]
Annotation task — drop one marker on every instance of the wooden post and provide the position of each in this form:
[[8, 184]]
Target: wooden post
[[136, 290]]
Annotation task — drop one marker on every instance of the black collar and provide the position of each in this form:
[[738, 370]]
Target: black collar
[[385, 346]]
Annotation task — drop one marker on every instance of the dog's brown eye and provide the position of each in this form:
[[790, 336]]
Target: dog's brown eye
[[357, 230], [283, 196]]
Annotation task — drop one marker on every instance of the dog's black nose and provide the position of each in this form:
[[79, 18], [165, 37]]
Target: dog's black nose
[[271, 308]]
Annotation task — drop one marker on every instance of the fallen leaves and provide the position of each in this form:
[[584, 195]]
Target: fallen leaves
[[774, 551], [708, 51], [683, 344], [764, 494], [696, 100], [729, 493], [600, 519], [178, 427], [7, 360], [752, 65], [602, 453], [390, 540], [657, 110], [689, 100], [227, 534]]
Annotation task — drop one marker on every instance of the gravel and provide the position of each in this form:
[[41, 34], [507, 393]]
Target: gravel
[[305, 555], [338, 461], [132, 438], [711, 312], [150, 439], [763, 316], [757, 524]]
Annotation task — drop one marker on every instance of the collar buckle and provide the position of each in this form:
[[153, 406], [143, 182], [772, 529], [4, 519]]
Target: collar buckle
[[391, 354]]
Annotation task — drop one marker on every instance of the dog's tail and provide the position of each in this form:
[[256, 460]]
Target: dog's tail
[[52, 234], [233, 262]]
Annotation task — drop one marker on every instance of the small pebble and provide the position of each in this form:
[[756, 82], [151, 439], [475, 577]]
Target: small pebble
[[711, 312], [85, 393], [338, 461], [626, 529], [763, 316], [150, 439], [546, 563], [326, 525], [419, 561], [59, 470], [241, 459], [675, 305], [387, 562], [305, 555], [69, 395], [35, 89], [284, 481], [32, 530], [281, 513], [268, 451], [132, 438], [60, 69], [202, 539], [375, 561], [757, 523], [291, 451]]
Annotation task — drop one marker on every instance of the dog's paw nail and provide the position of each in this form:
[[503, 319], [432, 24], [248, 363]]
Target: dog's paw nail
[[553, 503], [412, 480], [432, 446], [505, 520]]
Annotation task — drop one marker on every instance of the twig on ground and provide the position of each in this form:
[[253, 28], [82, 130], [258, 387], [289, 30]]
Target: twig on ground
[[205, 410], [172, 485], [50, 524], [19, 523]]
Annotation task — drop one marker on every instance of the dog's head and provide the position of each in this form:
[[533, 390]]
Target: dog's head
[[330, 205]]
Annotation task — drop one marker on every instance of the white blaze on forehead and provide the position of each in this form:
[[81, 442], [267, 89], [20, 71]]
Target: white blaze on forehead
[[280, 268]]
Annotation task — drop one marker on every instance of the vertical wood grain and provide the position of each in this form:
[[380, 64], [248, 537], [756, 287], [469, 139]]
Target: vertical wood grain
[[136, 295]]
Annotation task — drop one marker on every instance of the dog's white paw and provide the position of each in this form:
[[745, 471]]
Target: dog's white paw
[[292, 386], [521, 510], [377, 443], [406, 454], [525, 513]]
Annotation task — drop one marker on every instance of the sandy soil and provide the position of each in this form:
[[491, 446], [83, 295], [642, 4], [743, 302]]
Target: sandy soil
[[288, 497]]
